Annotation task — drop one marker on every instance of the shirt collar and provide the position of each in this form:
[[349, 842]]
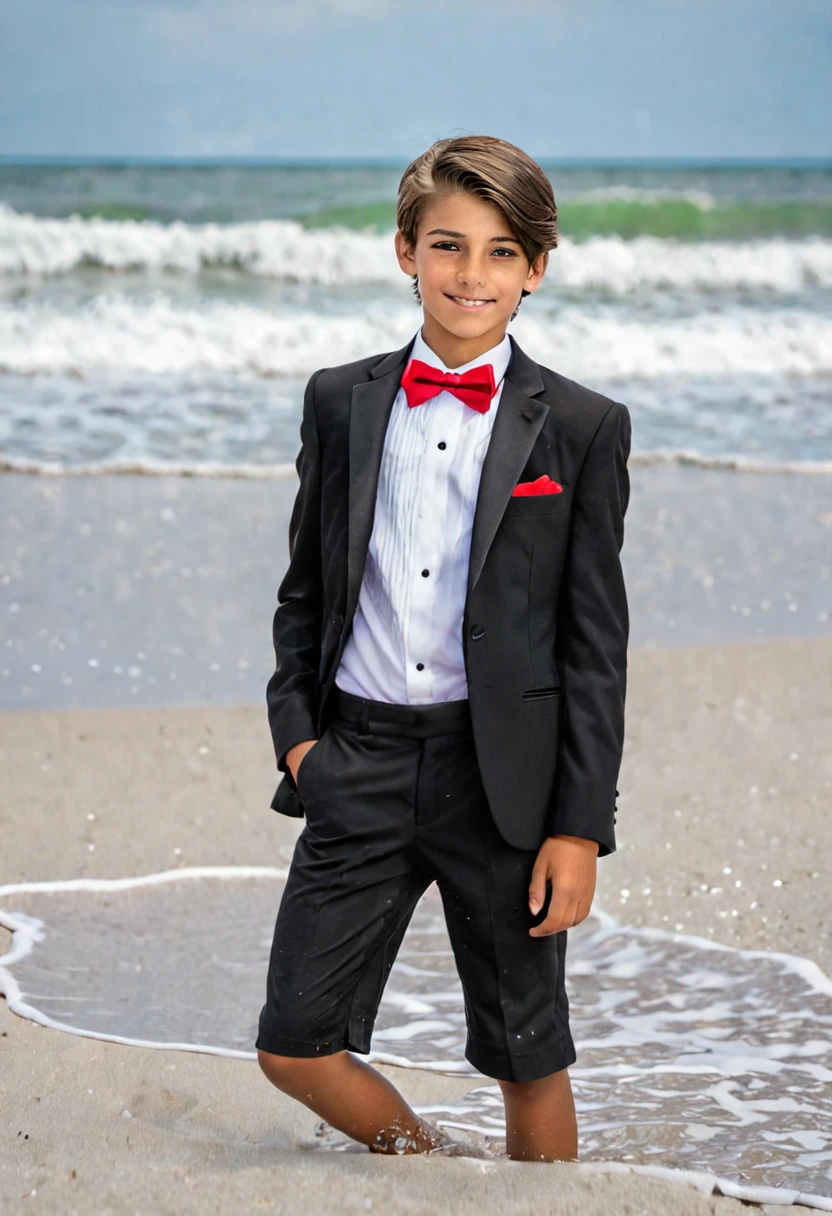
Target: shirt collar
[[498, 356]]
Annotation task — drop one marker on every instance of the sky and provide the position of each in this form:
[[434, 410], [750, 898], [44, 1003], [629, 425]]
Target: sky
[[384, 78]]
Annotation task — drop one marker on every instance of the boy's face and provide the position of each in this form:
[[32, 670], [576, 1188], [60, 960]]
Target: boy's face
[[466, 250]]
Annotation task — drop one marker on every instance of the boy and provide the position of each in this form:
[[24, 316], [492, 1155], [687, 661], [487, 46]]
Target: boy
[[451, 644]]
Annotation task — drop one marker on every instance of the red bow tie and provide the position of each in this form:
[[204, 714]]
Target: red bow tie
[[475, 387]]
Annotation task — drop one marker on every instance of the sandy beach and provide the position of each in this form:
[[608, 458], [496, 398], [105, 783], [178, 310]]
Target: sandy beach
[[727, 768]]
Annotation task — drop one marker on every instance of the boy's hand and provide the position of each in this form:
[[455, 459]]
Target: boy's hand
[[570, 862], [295, 755]]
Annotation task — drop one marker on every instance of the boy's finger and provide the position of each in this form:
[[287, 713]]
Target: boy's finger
[[558, 918], [537, 887]]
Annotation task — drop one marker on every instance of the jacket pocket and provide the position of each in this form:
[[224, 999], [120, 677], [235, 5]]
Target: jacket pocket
[[538, 694]]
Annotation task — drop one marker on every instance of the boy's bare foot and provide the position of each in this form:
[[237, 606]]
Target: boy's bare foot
[[429, 1141], [425, 1139]]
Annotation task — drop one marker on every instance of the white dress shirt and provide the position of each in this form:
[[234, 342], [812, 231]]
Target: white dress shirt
[[406, 640]]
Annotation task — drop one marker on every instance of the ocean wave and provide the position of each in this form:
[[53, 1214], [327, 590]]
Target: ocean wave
[[114, 335], [727, 462], [343, 256], [632, 211]]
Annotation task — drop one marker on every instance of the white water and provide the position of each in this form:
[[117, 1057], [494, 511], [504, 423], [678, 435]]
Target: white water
[[113, 335], [338, 256]]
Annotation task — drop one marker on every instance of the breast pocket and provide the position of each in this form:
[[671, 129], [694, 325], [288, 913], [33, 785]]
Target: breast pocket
[[521, 505]]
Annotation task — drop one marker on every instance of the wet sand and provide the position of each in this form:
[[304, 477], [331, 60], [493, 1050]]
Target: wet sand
[[156, 591], [727, 765]]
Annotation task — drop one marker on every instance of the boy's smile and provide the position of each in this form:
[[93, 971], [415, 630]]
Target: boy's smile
[[472, 271]]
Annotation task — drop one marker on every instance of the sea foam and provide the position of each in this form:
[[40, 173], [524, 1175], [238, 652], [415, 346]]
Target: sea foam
[[114, 334]]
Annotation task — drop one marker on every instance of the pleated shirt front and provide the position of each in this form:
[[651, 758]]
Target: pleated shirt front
[[405, 645]]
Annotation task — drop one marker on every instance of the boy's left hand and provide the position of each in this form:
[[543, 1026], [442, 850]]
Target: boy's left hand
[[570, 863]]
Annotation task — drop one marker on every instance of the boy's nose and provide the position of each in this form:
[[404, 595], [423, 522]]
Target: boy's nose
[[472, 272]]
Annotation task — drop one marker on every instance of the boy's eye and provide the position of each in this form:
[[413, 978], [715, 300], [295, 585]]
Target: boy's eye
[[453, 245]]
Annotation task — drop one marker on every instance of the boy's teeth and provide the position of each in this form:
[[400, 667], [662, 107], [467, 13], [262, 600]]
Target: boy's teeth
[[470, 303]]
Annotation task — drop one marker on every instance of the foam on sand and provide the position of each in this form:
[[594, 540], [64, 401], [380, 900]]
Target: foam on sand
[[715, 1061]]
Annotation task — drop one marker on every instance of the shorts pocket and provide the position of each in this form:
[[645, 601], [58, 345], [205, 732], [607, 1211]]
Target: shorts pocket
[[308, 766]]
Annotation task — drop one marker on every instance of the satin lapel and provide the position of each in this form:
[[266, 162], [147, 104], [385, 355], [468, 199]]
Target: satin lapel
[[518, 423], [370, 407]]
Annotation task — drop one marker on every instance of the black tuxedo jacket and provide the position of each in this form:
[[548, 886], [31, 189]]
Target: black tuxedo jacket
[[545, 625]]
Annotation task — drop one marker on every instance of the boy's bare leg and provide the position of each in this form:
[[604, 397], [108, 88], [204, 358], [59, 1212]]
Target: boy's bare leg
[[353, 1097], [540, 1119]]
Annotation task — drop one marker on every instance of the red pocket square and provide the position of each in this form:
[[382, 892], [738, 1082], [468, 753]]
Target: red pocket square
[[543, 485]]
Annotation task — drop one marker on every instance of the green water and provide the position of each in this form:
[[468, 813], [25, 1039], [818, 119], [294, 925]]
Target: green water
[[689, 202], [669, 218]]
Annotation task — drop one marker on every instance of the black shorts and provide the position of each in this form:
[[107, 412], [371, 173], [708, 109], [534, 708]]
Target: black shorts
[[393, 800]]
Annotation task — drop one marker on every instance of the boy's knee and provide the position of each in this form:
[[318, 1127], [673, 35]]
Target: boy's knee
[[286, 1069], [271, 1062]]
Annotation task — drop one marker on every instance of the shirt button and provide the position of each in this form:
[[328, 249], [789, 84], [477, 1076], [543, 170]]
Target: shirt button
[[442, 445], [420, 667], [425, 573]]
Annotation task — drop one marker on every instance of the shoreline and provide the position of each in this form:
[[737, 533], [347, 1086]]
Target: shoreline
[[136, 791], [219, 470]]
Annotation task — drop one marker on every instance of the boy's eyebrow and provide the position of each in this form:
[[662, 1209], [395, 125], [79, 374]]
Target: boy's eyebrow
[[447, 232]]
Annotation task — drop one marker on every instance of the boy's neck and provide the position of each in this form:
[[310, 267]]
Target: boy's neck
[[454, 351]]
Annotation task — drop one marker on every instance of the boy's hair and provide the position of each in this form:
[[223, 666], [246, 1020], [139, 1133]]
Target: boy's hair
[[491, 169]]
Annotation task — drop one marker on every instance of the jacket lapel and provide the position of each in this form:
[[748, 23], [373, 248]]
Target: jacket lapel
[[518, 423]]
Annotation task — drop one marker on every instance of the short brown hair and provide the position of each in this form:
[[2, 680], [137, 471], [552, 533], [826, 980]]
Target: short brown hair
[[491, 169]]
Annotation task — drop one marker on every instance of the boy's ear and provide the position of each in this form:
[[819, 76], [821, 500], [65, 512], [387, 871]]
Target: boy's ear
[[536, 272], [404, 253]]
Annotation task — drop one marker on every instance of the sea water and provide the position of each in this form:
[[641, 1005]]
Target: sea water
[[167, 318]]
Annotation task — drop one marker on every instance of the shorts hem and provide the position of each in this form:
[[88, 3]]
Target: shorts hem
[[504, 1065], [279, 1045]]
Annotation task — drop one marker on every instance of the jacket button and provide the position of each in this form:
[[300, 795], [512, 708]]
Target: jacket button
[[477, 631]]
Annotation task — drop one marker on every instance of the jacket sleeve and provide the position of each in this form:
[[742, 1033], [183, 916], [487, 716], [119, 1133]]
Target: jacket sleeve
[[591, 647], [293, 690]]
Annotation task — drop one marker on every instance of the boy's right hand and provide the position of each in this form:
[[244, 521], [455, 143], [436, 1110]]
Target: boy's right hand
[[295, 755]]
